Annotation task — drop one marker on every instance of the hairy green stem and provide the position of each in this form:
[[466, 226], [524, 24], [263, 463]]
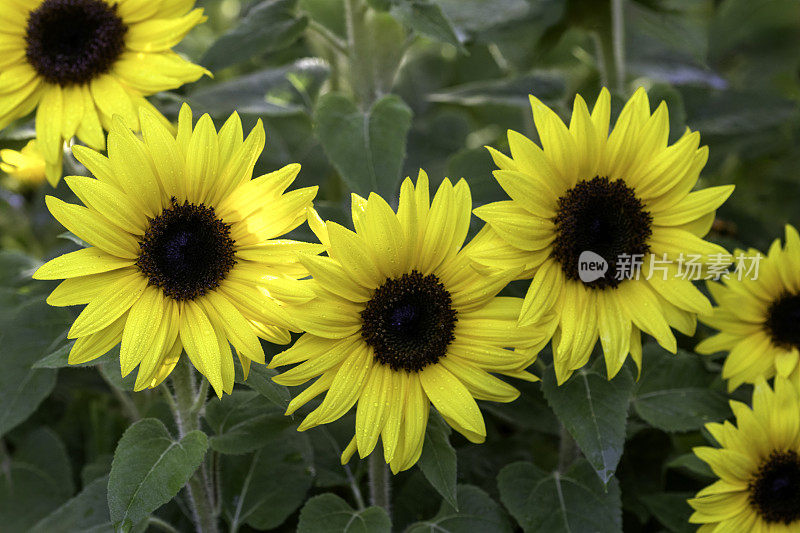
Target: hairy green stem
[[380, 482], [187, 419]]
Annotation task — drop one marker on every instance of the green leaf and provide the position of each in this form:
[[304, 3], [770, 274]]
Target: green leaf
[[548, 86], [673, 393], [693, 464], [438, 459], [555, 502], [428, 19], [27, 493], [260, 380], [476, 512], [671, 509], [149, 469], [59, 358], [27, 333], [263, 488], [594, 411], [366, 148], [328, 513], [87, 512], [271, 91], [270, 25], [43, 448], [244, 421]]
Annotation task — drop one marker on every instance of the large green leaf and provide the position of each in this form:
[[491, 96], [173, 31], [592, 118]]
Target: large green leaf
[[328, 513], [594, 411], [149, 469], [268, 26], [674, 392], [244, 421], [438, 459], [367, 148], [27, 333], [476, 512], [263, 488], [560, 502]]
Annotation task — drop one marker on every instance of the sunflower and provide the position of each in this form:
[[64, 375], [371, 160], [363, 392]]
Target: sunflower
[[758, 464], [83, 61], [590, 196], [25, 167], [401, 321], [757, 315], [183, 252]]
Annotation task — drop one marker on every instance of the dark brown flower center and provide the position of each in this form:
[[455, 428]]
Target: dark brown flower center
[[409, 322], [775, 490], [783, 321], [73, 41], [604, 217], [186, 251]]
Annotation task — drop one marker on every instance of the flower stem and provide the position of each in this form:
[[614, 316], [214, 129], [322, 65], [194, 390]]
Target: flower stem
[[618, 42], [187, 419], [380, 483]]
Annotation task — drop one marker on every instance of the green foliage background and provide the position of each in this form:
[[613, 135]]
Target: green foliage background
[[362, 101]]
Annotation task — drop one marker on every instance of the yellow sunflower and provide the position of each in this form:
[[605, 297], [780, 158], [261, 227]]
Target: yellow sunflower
[[758, 315], [401, 321], [25, 167], [184, 254], [609, 201], [83, 61], [758, 463]]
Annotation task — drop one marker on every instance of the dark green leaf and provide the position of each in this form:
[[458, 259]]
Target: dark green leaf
[[244, 421], [87, 512], [594, 411], [427, 18], [553, 503], [43, 448], [366, 148], [27, 333], [270, 25], [693, 464], [149, 469], [671, 509], [673, 393], [438, 460], [547, 86], [260, 380], [329, 513], [27, 493], [262, 489], [271, 91], [476, 512]]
